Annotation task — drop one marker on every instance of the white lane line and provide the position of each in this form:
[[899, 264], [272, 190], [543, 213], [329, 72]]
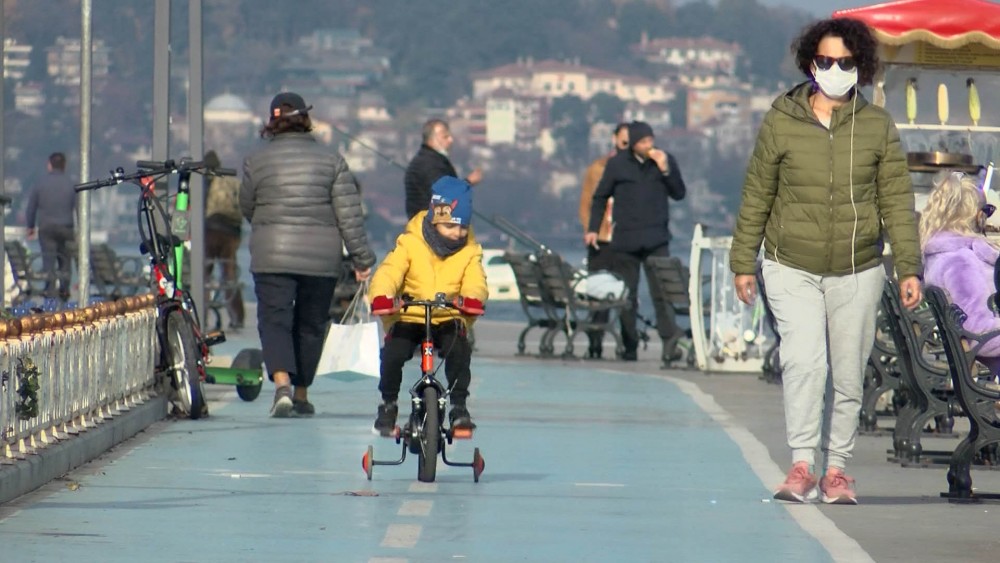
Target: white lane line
[[840, 546], [401, 535], [599, 484], [415, 508], [419, 487]]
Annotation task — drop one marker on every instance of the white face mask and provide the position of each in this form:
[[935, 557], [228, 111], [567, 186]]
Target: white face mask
[[835, 82]]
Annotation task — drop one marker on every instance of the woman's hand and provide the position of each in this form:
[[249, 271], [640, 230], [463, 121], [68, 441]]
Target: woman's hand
[[910, 292], [362, 275], [746, 288]]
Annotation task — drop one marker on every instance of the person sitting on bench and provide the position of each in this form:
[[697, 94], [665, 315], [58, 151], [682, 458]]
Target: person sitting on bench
[[957, 255]]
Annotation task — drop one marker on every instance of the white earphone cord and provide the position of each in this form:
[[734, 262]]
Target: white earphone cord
[[850, 175]]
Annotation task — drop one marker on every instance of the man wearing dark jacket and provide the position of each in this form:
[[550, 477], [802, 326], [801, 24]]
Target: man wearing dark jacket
[[429, 165], [51, 209], [642, 180]]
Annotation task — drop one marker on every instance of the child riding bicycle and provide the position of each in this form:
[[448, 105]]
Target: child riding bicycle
[[433, 255]]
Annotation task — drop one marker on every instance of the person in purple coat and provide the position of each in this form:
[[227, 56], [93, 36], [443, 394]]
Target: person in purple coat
[[957, 255]]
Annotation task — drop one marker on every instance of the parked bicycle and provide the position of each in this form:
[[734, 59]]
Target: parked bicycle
[[184, 348]]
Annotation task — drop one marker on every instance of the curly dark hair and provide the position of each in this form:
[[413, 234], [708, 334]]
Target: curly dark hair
[[856, 36], [299, 123]]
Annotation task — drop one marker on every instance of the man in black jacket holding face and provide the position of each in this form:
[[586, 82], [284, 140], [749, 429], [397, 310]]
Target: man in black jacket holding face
[[642, 180], [429, 165]]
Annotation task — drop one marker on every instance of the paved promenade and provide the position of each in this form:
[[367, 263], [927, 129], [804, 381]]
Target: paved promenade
[[585, 461]]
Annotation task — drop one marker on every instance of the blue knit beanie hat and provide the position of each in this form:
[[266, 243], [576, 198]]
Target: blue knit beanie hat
[[451, 201]]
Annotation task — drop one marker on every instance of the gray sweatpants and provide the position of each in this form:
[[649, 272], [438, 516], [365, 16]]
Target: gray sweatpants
[[827, 330]]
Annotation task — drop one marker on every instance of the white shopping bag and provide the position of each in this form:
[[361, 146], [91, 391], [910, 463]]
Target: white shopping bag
[[352, 347]]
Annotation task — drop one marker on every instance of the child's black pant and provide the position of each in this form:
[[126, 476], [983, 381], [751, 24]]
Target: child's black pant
[[450, 341]]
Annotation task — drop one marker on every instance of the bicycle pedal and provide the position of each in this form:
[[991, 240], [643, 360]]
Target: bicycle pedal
[[215, 337]]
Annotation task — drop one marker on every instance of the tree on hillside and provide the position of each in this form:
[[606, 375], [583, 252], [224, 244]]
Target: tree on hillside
[[571, 128], [605, 108]]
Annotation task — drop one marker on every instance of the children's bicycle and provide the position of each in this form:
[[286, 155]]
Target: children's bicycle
[[425, 434], [184, 348]]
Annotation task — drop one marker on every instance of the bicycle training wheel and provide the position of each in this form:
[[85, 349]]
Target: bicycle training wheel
[[430, 437], [182, 355]]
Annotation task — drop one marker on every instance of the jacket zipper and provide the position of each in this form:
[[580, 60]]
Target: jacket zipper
[[829, 248]]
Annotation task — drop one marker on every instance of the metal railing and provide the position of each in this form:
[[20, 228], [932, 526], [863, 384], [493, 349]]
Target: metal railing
[[64, 372]]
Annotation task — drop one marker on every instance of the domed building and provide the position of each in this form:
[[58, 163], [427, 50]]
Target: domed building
[[229, 109], [231, 127]]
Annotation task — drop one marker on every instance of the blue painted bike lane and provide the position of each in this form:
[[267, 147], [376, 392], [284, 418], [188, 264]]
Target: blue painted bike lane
[[581, 465]]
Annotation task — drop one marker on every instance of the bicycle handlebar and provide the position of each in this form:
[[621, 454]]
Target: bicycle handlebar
[[440, 300], [150, 168], [197, 166]]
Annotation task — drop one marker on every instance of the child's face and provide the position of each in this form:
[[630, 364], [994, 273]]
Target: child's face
[[452, 231]]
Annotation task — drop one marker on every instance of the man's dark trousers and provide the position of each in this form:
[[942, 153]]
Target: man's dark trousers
[[57, 242], [627, 264]]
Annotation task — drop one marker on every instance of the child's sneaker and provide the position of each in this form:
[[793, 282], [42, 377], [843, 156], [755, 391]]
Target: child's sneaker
[[460, 418], [385, 420], [837, 487], [799, 485]]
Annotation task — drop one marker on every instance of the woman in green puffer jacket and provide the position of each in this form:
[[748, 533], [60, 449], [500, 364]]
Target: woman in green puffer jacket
[[827, 178]]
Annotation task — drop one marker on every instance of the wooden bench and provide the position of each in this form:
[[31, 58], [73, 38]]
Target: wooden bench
[[27, 269], [571, 311], [978, 399], [113, 276], [881, 373], [534, 300], [924, 379]]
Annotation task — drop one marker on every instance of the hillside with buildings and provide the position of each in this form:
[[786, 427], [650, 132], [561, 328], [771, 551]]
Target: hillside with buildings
[[532, 92]]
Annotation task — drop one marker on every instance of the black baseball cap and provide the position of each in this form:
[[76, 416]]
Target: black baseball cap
[[290, 99]]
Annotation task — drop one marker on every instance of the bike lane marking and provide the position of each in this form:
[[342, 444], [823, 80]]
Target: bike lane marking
[[401, 535], [840, 546], [415, 508]]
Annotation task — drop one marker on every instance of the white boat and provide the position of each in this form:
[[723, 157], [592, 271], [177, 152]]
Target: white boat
[[499, 276]]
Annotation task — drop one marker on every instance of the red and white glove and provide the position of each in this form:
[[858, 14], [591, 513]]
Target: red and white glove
[[385, 305], [469, 305]]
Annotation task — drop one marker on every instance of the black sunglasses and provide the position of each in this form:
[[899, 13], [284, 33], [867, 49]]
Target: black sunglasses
[[989, 209], [846, 64]]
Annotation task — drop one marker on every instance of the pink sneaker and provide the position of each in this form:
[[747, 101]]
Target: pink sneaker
[[837, 487], [799, 486]]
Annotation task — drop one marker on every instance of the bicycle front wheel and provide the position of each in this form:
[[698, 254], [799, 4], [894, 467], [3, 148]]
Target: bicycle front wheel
[[430, 436], [182, 356]]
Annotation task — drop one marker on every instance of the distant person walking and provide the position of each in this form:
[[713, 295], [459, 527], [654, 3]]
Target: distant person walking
[[642, 180], [302, 204], [429, 164], [600, 256], [50, 216], [223, 234]]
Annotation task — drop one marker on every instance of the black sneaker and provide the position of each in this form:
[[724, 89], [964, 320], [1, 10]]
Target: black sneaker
[[460, 418], [303, 408], [385, 420], [629, 356], [282, 405]]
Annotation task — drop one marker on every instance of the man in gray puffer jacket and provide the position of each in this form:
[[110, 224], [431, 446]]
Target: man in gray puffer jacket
[[302, 203]]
